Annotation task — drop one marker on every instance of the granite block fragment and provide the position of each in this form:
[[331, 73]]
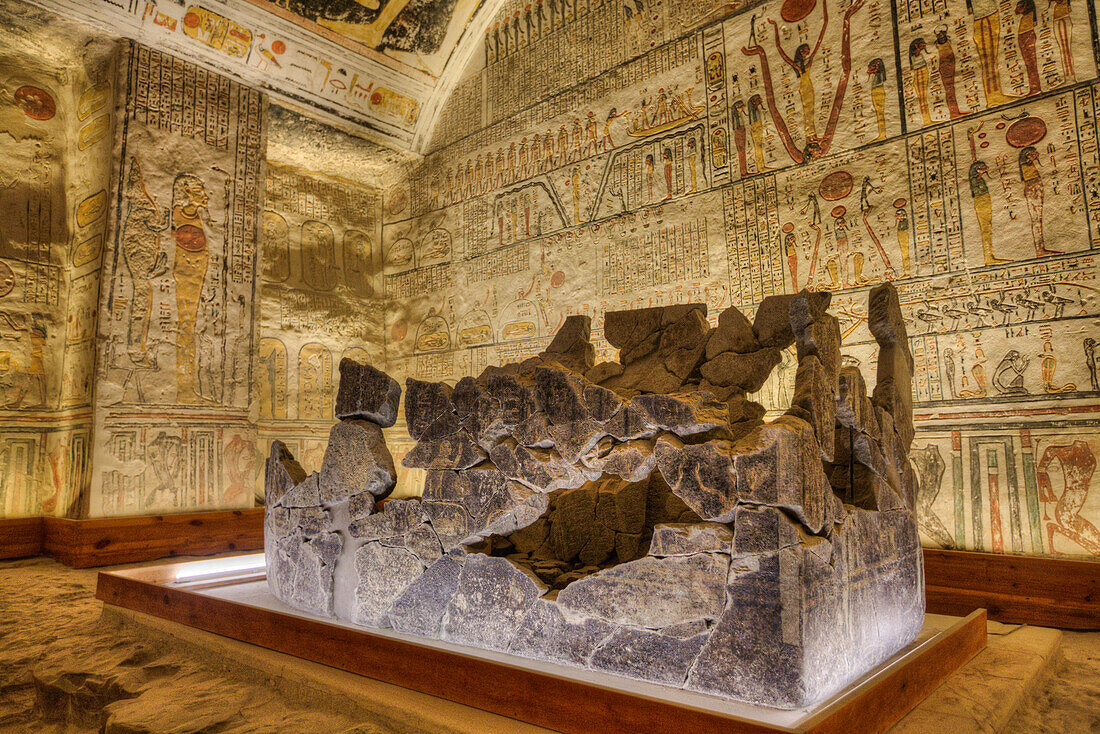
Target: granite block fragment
[[492, 599], [419, 609], [356, 460], [648, 655], [652, 592], [367, 393]]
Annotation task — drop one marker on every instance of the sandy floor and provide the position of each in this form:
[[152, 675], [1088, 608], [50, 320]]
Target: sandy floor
[[63, 669], [1069, 702]]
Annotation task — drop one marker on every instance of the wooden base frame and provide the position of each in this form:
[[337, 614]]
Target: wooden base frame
[[1048, 592], [526, 694]]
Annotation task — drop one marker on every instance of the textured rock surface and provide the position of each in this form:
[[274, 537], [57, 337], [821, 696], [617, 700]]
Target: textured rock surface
[[356, 461], [367, 393], [653, 525]]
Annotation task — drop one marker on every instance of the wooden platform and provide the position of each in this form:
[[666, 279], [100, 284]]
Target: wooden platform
[[565, 699], [1049, 592]]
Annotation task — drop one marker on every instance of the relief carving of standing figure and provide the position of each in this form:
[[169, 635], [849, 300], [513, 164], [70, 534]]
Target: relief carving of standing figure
[[189, 207]]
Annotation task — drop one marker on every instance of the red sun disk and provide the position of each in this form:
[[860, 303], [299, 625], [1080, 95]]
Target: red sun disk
[[793, 11], [36, 103], [1025, 132], [836, 185]]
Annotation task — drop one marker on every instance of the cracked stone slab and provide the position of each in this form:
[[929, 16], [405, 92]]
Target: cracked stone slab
[[396, 517], [648, 655], [652, 592], [683, 413], [455, 451], [821, 338], [772, 323], [419, 609], [704, 476], [356, 460], [572, 346], [383, 573], [281, 473], [733, 334], [492, 599], [746, 372], [814, 401], [425, 403], [546, 633]]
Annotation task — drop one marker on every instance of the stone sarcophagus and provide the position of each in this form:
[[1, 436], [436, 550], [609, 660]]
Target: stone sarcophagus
[[640, 518]]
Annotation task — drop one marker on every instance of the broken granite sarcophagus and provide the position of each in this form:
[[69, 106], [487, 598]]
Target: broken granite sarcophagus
[[639, 518]]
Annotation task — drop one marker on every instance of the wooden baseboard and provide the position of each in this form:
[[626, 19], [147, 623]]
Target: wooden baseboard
[[1049, 592], [111, 540], [21, 537]]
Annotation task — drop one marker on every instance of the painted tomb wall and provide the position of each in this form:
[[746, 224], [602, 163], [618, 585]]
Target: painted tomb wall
[[615, 155], [56, 112], [320, 278], [177, 335]]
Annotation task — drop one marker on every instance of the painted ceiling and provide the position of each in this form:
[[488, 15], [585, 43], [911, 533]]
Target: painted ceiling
[[383, 66]]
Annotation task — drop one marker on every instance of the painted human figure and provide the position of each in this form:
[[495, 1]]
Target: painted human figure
[[737, 122], [756, 111], [919, 66], [987, 37], [901, 226], [949, 371], [1032, 177], [790, 249], [692, 164], [930, 467], [801, 63], [947, 71], [144, 261], [1090, 361], [977, 373], [666, 158], [1027, 19], [876, 73], [1078, 465], [592, 135], [1047, 366], [983, 209], [189, 209], [1008, 378], [608, 142], [840, 230], [1063, 28]]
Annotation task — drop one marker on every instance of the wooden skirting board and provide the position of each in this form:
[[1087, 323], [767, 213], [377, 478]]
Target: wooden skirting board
[[527, 694], [21, 536], [1048, 592], [111, 540]]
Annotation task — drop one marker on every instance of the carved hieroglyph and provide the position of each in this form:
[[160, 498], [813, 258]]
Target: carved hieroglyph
[[635, 517]]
